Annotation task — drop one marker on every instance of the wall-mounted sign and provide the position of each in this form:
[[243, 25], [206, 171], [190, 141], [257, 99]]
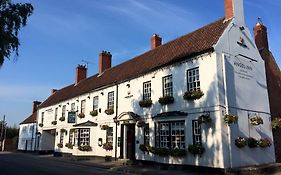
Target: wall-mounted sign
[[71, 117]]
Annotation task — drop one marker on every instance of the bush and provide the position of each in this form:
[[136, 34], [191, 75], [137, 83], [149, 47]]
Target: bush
[[85, 148], [145, 103], [252, 143], [241, 142], [94, 113], [193, 95], [196, 149], [109, 111], [166, 100]]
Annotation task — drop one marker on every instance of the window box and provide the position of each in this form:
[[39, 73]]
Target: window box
[[144, 148], [85, 148], [205, 118], [140, 124], [252, 143], [54, 122], [107, 146], [263, 143], [256, 120], [81, 115], [62, 119], [166, 100], [162, 152], [230, 119], [145, 103], [178, 152], [276, 123], [109, 111], [94, 113], [104, 127], [193, 95], [241, 142], [69, 145], [196, 149], [62, 130], [40, 124], [60, 145]]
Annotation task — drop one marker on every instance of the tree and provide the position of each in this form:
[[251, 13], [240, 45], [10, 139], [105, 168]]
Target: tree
[[12, 18]]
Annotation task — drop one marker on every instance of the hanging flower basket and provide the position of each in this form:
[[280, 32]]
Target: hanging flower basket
[[140, 123], [230, 119], [62, 130], [178, 152], [196, 149], [62, 118], [94, 113], [109, 111], [81, 115], [193, 95], [252, 143], [256, 120], [145, 103], [263, 143], [40, 124], [54, 122], [60, 145], [69, 145], [205, 118], [276, 123], [104, 127], [241, 142], [85, 148], [166, 100], [107, 146], [162, 152]]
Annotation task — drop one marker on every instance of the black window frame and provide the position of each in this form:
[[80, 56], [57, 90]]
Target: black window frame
[[163, 85], [187, 77], [146, 137]]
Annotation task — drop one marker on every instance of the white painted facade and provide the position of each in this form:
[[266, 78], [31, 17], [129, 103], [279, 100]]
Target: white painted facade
[[233, 81], [27, 137]]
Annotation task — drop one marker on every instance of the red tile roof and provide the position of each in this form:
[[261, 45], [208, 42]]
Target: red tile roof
[[195, 43], [30, 119]]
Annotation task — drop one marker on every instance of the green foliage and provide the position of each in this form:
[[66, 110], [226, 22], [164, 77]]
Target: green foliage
[[178, 152], [193, 95], [81, 115], [62, 118], [69, 145], [230, 119], [166, 100], [145, 103], [252, 143], [54, 122], [12, 18], [107, 146], [196, 149], [256, 120], [241, 142], [162, 152], [263, 143], [205, 118], [60, 145], [276, 123], [85, 148], [94, 113], [109, 111]]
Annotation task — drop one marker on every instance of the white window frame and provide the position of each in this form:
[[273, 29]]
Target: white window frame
[[84, 136], [147, 90], [168, 85], [109, 135], [83, 106], [56, 114], [193, 79], [110, 100], [63, 110], [196, 132], [96, 103]]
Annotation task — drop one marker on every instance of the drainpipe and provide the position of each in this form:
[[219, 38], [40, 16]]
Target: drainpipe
[[116, 122]]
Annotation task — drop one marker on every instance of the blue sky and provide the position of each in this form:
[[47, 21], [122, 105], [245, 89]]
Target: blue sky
[[62, 33]]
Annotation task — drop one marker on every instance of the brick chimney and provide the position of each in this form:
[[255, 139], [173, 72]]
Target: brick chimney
[[156, 41], [235, 9], [81, 73], [261, 39], [104, 61], [54, 91], [35, 106]]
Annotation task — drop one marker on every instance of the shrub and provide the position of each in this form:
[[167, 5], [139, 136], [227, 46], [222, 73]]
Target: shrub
[[60, 145], [69, 145], [54, 122], [178, 152], [85, 148], [107, 146], [109, 111], [94, 113], [166, 100], [196, 149], [241, 142], [145, 103], [263, 143], [230, 119], [205, 118], [62, 118], [252, 143], [81, 115], [256, 120], [193, 95]]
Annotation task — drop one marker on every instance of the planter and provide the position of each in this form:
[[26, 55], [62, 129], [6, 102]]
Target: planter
[[63, 130], [69, 145], [193, 95], [162, 152], [60, 145], [166, 100], [109, 111], [62, 118], [85, 148], [54, 122], [276, 123], [263, 143], [94, 113], [256, 120], [104, 127], [178, 152], [140, 124], [81, 115], [196, 149], [241, 142], [252, 143], [144, 148], [40, 124], [205, 118], [230, 119], [107, 146], [145, 103]]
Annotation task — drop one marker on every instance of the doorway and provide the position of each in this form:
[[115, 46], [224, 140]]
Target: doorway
[[128, 149]]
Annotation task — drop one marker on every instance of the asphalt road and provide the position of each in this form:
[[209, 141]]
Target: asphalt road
[[25, 164]]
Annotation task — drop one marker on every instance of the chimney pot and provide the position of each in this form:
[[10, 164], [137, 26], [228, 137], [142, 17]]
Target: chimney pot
[[35, 106], [54, 91], [81, 73], [156, 41], [104, 61]]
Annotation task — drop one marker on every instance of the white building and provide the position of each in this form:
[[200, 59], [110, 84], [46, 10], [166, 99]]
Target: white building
[[119, 111], [27, 133]]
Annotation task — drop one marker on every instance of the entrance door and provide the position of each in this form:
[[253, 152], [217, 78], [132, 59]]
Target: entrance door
[[131, 142]]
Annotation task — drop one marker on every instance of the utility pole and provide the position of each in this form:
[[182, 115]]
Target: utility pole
[[3, 134]]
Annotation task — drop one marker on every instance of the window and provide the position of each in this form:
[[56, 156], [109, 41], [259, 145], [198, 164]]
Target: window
[[42, 117], [196, 130], [147, 90], [63, 110], [96, 103], [83, 106], [72, 107], [170, 135], [56, 114], [168, 86], [193, 82], [70, 141], [82, 137], [61, 137], [109, 135], [110, 104], [146, 134]]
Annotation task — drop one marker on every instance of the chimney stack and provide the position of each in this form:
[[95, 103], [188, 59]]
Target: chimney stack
[[35, 106], [156, 41], [81, 73], [235, 9], [261, 39], [104, 61], [54, 91]]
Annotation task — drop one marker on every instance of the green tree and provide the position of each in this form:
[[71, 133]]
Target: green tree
[[13, 16]]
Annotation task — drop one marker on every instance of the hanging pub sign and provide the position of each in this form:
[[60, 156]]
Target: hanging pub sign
[[71, 117]]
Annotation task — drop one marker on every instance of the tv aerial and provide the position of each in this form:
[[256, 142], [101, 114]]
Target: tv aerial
[[87, 62]]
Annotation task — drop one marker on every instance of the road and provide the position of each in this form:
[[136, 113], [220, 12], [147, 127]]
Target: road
[[26, 164]]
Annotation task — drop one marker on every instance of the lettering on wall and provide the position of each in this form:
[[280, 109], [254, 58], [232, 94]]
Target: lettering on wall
[[243, 70]]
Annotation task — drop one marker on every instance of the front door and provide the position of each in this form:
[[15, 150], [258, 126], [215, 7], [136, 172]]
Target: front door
[[130, 142]]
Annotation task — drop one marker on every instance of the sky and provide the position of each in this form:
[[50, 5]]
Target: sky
[[62, 33]]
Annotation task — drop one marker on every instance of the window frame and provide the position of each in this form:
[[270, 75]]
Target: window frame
[[42, 117], [56, 113], [197, 137], [110, 100], [72, 107], [63, 111], [144, 96], [83, 106], [196, 87], [95, 103], [109, 135], [164, 89], [146, 134], [78, 136]]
